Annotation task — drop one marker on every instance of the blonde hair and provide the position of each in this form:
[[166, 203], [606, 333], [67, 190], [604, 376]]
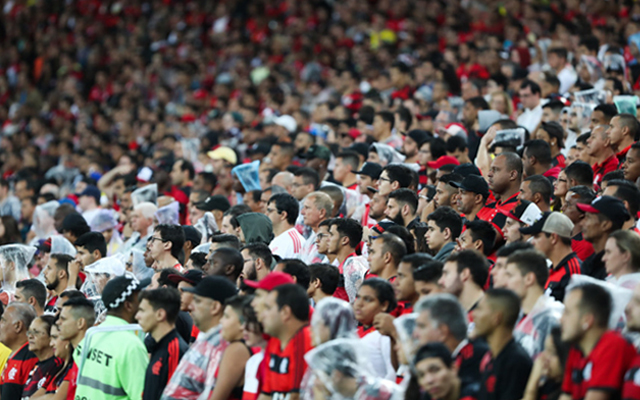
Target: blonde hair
[[507, 101], [628, 242]]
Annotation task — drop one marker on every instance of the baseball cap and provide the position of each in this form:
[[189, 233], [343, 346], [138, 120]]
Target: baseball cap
[[360, 148], [381, 227], [287, 122], [466, 169], [525, 212], [192, 277], [271, 281], [551, 222], [609, 206], [354, 133], [318, 151], [441, 161], [224, 153], [419, 136], [216, 202], [473, 183], [370, 169], [92, 191], [118, 289], [214, 287]]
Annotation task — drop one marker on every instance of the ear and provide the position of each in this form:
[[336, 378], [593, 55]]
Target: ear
[[96, 254], [447, 233], [530, 279], [395, 185], [283, 216], [228, 270], [386, 257], [161, 314], [478, 245], [405, 209], [606, 225], [513, 175], [478, 199], [464, 275]]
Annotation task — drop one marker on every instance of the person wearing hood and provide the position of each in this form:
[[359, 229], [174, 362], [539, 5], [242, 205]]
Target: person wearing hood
[[255, 228]]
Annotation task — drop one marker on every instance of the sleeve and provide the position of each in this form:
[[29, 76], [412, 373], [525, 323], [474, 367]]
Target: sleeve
[[135, 360], [567, 382], [12, 391], [515, 379], [610, 366]]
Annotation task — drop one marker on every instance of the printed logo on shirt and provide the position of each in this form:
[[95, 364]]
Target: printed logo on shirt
[[12, 373], [586, 373], [279, 364], [156, 367]]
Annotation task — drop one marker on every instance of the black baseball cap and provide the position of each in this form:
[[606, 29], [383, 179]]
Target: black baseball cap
[[419, 136], [214, 287], [370, 169], [466, 169], [217, 202], [609, 206], [192, 277], [473, 183]]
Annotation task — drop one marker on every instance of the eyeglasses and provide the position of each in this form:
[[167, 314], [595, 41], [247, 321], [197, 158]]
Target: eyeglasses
[[34, 333], [384, 179], [152, 238], [562, 180]]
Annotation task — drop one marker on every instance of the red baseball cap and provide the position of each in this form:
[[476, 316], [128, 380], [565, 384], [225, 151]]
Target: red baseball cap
[[443, 160], [271, 281]]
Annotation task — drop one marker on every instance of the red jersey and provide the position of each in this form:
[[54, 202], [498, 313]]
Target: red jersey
[[70, 375], [16, 372], [286, 367], [581, 247], [600, 170], [631, 386], [603, 369]]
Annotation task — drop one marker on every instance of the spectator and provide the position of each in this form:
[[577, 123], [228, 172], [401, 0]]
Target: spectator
[[575, 195], [316, 207], [344, 236], [346, 163], [464, 275], [444, 227], [74, 225], [32, 292], [504, 177], [17, 319], [479, 236], [426, 278], [282, 210], [323, 281], [537, 160], [604, 158], [579, 173], [602, 115], [142, 226], [257, 261], [10, 232], [537, 189], [225, 262], [555, 356], [39, 335], [630, 195], [622, 258], [497, 273], [56, 278], [436, 357], [9, 205], [529, 93], [402, 207], [446, 194], [385, 253], [631, 165], [553, 134], [623, 131]]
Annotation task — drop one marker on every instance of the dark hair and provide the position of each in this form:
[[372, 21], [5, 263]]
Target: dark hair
[[579, 171], [198, 260], [33, 288], [93, 241], [229, 256], [554, 130], [479, 103], [48, 320], [509, 249], [81, 307], [172, 234], [609, 110], [585, 193], [531, 261], [11, 230], [559, 51], [295, 297], [72, 294], [285, 202], [437, 147], [350, 157], [285, 147], [508, 301], [484, 231], [404, 235], [235, 211], [405, 196], [166, 298], [209, 178], [583, 138], [239, 303], [350, 228], [430, 271], [596, 300], [384, 292], [62, 261], [540, 150], [327, 274], [228, 239], [388, 117], [446, 217], [630, 122], [627, 191], [434, 350], [540, 184], [613, 175], [528, 83], [474, 262], [400, 174], [456, 143], [297, 269], [394, 245], [187, 166], [261, 251], [309, 176]]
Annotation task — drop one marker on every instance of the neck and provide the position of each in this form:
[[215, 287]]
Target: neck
[[558, 253], [384, 135], [331, 257], [161, 330], [349, 180], [344, 252], [289, 331], [454, 394], [541, 169], [544, 207], [590, 339], [319, 295], [604, 155], [474, 211], [626, 270], [166, 260], [498, 339], [407, 220], [531, 297], [388, 272], [624, 143], [213, 322], [262, 273], [62, 286], [452, 343], [511, 190], [470, 295], [44, 354], [278, 230], [77, 339], [599, 243], [18, 343], [629, 224], [411, 160]]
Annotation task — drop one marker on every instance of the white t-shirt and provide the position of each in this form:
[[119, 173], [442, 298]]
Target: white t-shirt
[[378, 350], [310, 253], [288, 244], [251, 383]]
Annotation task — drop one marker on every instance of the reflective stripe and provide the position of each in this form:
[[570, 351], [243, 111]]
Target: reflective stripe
[[103, 387]]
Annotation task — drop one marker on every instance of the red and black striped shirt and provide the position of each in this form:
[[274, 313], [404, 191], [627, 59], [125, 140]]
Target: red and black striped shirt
[[165, 357], [560, 275], [286, 367]]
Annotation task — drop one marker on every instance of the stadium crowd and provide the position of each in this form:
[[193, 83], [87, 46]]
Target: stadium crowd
[[270, 199]]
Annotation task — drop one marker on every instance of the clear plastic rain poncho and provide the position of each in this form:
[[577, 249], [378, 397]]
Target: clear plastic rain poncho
[[532, 330], [98, 274], [169, 214], [15, 260], [190, 149], [509, 137], [582, 114], [248, 175], [620, 296], [341, 372], [144, 194], [43, 223], [107, 221], [207, 226], [135, 264], [202, 248], [387, 154], [60, 245], [594, 69], [405, 324], [591, 96], [332, 319], [353, 270]]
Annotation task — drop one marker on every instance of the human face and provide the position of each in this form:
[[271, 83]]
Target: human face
[[498, 273], [273, 214], [377, 206], [376, 256], [226, 225], [615, 260], [185, 297], [231, 325], [469, 113], [394, 212], [631, 166], [570, 209], [514, 280], [341, 170], [444, 195], [466, 201], [571, 320], [403, 286], [572, 156], [298, 189], [67, 325], [146, 316], [277, 158], [436, 237], [139, 223], [270, 315], [525, 192], [322, 240], [85, 257], [597, 118], [543, 243], [426, 331], [499, 177], [528, 99], [498, 104], [424, 289], [435, 378], [384, 184], [201, 309], [450, 279], [364, 182], [176, 175], [548, 115], [512, 230], [614, 132], [379, 126], [335, 240], [410, 147], [632, 311], [258, 302], [551, 365], [465, 241], [424, 154], [156, 246], [597, 142], [560, 186], [51, 275], [367, 305], [311, 215], [483, 316], [591, 228], [58, 345], [38, 336]]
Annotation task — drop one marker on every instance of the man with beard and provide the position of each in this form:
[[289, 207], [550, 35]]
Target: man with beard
[[446, 194], [412, 143], [402, 207], [56, 277], [367, 182], [257, 261], [378, 207]]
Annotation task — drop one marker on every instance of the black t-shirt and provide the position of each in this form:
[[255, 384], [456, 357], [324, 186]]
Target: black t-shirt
[[41, 374], [468, 360], [505, 377], [184, 325], [165, 357], [594, 266]]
